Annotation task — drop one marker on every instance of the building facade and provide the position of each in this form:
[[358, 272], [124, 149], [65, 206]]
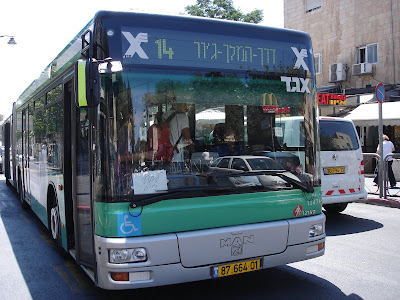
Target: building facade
[[356, 42], [356, 46]]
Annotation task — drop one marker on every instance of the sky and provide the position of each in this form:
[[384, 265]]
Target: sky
[[42, 28]]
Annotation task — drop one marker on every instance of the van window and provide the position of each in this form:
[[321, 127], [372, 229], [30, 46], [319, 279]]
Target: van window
[[337, 136]]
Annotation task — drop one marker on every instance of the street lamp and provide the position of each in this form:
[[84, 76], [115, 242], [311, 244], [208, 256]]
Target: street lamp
[[11, 41]]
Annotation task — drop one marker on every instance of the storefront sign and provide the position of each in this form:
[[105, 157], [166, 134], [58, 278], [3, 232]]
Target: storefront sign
[[273, 109], [331, 99]]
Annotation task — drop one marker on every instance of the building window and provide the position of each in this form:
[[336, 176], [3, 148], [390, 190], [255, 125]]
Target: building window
[[367, 54], [312, 5], [318, 63]]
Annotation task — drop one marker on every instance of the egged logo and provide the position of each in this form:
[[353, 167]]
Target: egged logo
[[236, 243], [135, 44]]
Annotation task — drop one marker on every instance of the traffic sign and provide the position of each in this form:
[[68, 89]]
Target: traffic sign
[[380, 96], [380, 92]]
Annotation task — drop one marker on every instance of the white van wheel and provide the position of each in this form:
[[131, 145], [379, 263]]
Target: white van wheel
[[335, 208]]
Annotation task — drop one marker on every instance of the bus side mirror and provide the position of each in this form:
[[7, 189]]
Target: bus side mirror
[[110, 67], [87, 83]]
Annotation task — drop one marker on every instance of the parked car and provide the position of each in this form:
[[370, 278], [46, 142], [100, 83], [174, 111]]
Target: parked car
[[342, 164], [236, 171], [288, 161]]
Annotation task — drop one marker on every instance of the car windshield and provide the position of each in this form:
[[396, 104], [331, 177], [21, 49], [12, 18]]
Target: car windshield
[[258, 164]]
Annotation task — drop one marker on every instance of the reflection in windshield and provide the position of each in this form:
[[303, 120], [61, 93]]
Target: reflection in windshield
[[164, 131], [338, 136]]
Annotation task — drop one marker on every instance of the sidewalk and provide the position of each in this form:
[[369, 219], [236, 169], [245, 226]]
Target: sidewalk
[[393, 194]]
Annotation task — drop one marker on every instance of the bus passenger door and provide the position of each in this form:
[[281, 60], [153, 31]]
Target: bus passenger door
[[7, 151], [25, 155], [78, 204], [83, 208]]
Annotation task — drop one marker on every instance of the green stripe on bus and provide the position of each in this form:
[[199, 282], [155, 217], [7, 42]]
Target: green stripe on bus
[[186, 214]]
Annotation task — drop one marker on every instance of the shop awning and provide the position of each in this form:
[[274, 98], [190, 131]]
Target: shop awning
[[367, 114]]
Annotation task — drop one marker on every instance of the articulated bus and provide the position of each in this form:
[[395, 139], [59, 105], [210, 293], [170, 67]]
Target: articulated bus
[[148, 147]]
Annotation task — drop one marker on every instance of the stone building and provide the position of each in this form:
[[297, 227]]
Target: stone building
[[356, 45]]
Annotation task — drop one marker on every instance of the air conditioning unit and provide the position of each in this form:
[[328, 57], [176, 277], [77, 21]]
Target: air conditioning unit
[[362, 69], [337, 72]]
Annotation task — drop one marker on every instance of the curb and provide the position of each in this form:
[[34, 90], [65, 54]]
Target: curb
[[384, 202]]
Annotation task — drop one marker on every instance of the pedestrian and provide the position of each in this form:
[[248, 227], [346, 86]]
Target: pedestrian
[[388, 148]]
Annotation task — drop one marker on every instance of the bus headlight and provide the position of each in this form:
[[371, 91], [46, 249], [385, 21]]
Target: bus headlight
[[316, 229], [139, 254], [120, 256]]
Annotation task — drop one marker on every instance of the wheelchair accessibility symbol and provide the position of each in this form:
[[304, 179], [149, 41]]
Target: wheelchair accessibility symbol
[[129, 225]]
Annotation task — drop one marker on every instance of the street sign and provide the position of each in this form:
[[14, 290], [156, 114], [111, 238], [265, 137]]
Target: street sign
[[380, 96], [380, 92]]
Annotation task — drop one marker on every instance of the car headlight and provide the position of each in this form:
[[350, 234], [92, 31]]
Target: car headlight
[[120, 256], [315, 230]]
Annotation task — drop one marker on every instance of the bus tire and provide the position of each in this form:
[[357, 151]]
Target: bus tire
[[335, 208], [24, 204], [54, 217]]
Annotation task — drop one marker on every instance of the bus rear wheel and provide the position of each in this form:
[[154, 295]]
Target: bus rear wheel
[[54, 220]]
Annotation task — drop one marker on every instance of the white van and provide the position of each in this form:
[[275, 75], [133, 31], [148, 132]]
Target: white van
[[342, 164]]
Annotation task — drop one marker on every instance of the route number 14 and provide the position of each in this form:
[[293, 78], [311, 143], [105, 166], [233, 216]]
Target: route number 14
[[162, 49]]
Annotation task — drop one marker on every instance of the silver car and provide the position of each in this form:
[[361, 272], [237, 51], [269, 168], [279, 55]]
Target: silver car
[[248, 170]]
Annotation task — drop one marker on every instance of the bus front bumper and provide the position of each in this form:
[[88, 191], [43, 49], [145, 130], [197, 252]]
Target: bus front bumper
[[175, 273], [164, 266]]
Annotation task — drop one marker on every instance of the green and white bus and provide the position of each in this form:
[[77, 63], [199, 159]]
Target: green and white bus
[[148, 148]]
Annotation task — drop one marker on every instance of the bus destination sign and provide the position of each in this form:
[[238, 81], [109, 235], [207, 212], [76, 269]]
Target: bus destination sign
[[178, 48]]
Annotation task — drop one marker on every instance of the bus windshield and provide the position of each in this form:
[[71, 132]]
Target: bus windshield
[[183, 130]]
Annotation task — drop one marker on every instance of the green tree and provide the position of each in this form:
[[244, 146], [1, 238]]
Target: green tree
[[223, 9]]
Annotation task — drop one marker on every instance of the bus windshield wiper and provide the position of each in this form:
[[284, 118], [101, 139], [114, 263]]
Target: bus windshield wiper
[[165, 195], [302, 185], [280, 173]]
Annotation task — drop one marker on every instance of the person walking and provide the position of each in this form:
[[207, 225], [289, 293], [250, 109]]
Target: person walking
[[388, 148]]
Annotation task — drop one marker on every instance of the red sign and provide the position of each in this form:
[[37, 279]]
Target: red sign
[[273, 109], [331, 99], [298, 210]]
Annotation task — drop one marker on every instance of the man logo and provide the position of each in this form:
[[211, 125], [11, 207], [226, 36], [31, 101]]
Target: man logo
[[236, 243], [135, 44], [236, 250]]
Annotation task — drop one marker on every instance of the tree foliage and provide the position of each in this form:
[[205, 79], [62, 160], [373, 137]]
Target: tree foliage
[[223, 9]]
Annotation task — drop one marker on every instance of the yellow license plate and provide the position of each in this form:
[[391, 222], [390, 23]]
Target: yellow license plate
[[334, 170], [236, 268]]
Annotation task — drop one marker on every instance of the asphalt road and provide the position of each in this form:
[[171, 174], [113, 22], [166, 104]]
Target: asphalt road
[[362, 261]]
